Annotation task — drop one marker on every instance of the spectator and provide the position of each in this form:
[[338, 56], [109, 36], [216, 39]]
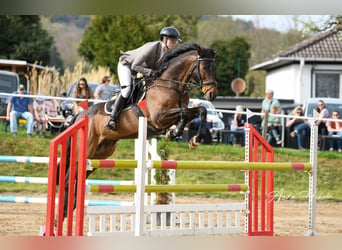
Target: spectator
[[268, 102], [266, 105], [238, 125], [39, 114], [52, 108], [102, 92], [83, 91], [323, 113], [55, 120], [299, 127], [335, 129], [273, 125], [20, 107]]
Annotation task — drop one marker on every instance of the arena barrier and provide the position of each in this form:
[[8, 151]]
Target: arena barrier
[[258, 205]]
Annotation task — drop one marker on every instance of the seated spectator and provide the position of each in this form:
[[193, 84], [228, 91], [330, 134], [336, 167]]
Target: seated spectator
[[335, 129], [238, 124], [54, 119], [323, 113], [273, 125], [299, 127], [39, 114], [20, 107], [52, 108], [83, 91]]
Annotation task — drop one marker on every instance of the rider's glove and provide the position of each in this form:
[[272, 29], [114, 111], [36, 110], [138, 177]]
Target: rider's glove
[[155, 74]]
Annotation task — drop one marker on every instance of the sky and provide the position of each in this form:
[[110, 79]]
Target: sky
[[279, 22]]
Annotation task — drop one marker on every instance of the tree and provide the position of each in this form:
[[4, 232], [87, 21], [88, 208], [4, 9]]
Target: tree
[[322, 24], [106, 36], [23, 38], [231, 62]]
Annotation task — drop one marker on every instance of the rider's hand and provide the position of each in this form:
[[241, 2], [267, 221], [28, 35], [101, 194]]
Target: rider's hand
[[140, 75], [155, 73]]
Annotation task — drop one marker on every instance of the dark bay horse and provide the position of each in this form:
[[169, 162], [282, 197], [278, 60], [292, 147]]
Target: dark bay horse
[[166, 102], [167, 99]]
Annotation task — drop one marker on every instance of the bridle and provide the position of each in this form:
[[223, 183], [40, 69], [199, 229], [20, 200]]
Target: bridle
[[196, 66], [192, 82]]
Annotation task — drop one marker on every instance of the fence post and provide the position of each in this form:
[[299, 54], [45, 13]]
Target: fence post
[[259, 221], [140, 178], [313, 181], [69, 136]]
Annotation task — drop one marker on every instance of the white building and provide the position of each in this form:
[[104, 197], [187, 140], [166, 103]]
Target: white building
[[311, 68]]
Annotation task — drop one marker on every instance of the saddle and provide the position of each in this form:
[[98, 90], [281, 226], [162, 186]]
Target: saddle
[[136, 99]]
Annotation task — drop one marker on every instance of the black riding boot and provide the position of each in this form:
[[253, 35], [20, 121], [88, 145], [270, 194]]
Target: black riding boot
[[116, 109]]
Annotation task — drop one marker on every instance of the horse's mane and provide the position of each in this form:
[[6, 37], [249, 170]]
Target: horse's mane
[[170, 54], [186, 47]]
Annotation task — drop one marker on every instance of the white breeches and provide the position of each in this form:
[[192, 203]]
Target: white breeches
[[124, 73]]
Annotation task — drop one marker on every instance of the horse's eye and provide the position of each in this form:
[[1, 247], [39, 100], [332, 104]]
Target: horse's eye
[[205, 66]]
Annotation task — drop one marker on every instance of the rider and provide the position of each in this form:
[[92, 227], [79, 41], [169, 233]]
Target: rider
[[142, 61]]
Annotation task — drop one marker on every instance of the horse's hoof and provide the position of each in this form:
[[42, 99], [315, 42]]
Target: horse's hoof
[[193, 144]]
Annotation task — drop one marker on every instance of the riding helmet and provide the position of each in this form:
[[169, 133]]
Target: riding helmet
[[170, 32]]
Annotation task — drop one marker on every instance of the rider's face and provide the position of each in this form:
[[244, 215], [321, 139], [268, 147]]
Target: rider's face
[[170, 42]]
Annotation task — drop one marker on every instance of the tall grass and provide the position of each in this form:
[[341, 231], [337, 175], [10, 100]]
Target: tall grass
[[52, 83], [288, 184], [83, 69]]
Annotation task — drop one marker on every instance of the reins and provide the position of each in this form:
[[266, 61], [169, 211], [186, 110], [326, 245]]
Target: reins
[[190, 84]]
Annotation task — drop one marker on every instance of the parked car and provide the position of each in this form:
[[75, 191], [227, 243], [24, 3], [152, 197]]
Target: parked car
[[9, 83], [331, 104], [215, 116]]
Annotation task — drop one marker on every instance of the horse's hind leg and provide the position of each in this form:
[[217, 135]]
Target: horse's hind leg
[[201, 133], [173, 133], [186, 115], [105, 149]]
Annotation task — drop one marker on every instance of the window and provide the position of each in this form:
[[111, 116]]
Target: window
[[327, 85]]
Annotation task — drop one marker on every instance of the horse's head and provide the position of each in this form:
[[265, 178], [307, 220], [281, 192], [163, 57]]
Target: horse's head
[[204, 73], [191, 65]]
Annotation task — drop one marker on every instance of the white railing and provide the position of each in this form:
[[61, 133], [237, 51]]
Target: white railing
[[161, 220]]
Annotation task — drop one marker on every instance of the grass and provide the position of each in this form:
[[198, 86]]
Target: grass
[[288, 185]]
